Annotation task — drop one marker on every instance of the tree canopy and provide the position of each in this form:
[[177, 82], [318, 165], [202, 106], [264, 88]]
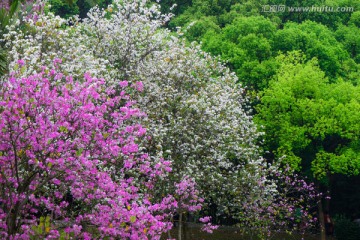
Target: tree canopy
[[227, 108]]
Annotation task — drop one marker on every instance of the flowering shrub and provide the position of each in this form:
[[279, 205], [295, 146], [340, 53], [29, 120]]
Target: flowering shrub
[[208, 227], [73, 138], [291, 208], [45, 38], [188, 196]]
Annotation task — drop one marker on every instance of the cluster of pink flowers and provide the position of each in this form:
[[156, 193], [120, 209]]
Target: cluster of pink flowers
[[62, 137], [207, 227], [188, 195], [189, 201]]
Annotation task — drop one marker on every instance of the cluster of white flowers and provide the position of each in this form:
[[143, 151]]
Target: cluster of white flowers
[[196, 110], [47, 37]]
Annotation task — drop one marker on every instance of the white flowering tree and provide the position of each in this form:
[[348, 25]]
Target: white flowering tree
[[197, 115], [196, 112]]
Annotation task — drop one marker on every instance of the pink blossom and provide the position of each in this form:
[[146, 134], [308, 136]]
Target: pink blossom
[[69, 143]]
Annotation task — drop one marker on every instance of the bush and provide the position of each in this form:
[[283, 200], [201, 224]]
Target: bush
[[345, 229]]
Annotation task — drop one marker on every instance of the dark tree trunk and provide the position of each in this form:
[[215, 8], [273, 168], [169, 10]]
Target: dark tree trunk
[[180, 226], [322, 221]]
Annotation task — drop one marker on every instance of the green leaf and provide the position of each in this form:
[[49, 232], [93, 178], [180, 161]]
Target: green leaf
[[79, 152], [132, 219], [22, 69], [63, 129], [105, 135]]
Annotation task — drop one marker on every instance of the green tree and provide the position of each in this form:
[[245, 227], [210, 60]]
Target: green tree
[[249, 45], [167, 6], [68, 8], [355, 19], [310, 120], [296, 11], [349, 36], [199, 28], [314, 10], [246, 46], [248, 38], [311, 123], [63, 8], [315, 40]]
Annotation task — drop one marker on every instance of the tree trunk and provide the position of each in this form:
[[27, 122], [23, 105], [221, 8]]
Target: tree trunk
[[11, 221], [322, 221], [185, 228], [180, 226], [11, 225], [169, 234]]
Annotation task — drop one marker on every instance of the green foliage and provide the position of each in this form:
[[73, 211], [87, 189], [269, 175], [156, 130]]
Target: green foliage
[[249, 45], [345, 229], [243, 26], [200, 27], [63, 8], [349, 36], [43, 228], [227, 10], [5, 19], [85, 5], [181, 6], [3, 62], [246, 46], [68, 8], [315, 40], [301, 108], [304, 65], [249, 39], [355, 19], [345, 196]]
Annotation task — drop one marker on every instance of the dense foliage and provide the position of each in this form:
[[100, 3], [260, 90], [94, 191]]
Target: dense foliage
[[310, 114], [202, 149], [200, 125], [301, 70]]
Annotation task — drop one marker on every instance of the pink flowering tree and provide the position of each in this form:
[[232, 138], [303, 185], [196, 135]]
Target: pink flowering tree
[[78, 139], [189, 201]]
